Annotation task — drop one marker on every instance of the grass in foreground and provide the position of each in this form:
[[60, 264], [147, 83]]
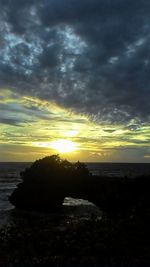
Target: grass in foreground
[[65, 242]]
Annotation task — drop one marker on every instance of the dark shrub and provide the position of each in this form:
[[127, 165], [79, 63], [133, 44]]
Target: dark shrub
[[47, 182]]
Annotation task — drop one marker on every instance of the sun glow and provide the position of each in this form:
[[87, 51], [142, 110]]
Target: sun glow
[[64, 146]]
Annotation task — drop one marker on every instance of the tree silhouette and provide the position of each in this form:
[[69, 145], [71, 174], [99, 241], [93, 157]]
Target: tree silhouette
[[47, 182]]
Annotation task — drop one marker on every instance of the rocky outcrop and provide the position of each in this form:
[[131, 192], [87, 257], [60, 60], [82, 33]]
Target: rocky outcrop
[[49, 180]]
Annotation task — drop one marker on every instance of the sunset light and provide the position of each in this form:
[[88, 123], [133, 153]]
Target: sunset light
[[75, 132], [72, 85], [63, 146]]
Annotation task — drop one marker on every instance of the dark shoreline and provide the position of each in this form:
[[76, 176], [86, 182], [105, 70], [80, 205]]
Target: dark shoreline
[[54, 240], [120, 239]]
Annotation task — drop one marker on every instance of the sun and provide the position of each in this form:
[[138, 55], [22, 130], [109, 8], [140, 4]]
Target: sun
[[63, 146]]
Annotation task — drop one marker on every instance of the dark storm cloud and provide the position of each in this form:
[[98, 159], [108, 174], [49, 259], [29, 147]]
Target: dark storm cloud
[[90, 55], [11, 121]]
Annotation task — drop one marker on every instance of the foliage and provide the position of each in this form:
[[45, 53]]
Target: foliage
[[47, 182], [68, 242]]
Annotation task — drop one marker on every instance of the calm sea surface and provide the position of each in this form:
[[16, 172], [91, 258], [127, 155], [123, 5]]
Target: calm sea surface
[[10, 177]]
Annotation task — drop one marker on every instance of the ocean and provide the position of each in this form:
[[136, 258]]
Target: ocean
[[10, 177]]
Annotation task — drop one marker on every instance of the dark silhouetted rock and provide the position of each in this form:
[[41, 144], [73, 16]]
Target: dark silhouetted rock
[[47, 182]]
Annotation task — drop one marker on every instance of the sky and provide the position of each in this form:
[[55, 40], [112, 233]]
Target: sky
[[75, 80]]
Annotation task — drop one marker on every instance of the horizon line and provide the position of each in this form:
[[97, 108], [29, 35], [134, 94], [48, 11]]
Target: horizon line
[[106, 162]]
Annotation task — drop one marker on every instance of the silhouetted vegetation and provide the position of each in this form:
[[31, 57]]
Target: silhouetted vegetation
[[123, 196], [49, 180], [120, 238], [68, 243]]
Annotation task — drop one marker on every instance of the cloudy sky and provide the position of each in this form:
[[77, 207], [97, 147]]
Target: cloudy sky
[[75, 79]]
